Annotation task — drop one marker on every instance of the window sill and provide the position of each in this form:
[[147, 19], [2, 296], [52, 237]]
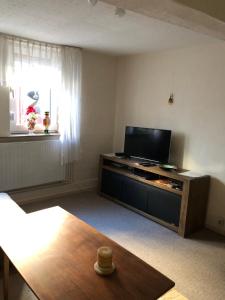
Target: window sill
[[29, 137]]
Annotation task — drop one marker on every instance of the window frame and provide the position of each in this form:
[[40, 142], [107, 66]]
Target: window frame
[[22, 128]]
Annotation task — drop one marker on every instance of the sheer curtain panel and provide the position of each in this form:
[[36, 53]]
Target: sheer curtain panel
[[70, 103], [4, 60], [19, 56]]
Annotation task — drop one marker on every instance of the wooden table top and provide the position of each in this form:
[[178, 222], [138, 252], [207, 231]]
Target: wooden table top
[[55, 251]]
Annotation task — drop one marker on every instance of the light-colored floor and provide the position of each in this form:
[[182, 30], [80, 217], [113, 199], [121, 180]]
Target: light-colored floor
[[196, 264]]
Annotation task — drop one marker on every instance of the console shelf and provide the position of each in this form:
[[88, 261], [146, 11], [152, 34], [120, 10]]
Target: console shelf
[[167, 197], [138, 178]]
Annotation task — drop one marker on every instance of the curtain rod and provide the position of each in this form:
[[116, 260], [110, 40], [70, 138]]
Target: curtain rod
[[10, 36]]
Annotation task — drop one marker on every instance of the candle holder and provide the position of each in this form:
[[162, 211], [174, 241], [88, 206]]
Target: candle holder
[[104, 265]]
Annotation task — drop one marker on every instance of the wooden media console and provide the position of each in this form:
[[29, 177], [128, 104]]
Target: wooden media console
[[172, 199]]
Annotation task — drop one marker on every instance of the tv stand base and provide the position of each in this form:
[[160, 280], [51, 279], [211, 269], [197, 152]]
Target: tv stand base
[[174, 200]]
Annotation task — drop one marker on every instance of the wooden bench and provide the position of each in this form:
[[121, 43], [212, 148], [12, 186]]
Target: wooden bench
[[9, 209], [9, 212]]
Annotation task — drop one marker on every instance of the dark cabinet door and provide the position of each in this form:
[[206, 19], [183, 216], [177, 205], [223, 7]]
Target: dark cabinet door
[[159, 203], [135, 194], [112, 184], [164, 205]]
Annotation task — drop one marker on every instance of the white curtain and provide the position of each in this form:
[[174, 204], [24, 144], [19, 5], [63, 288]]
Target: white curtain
[[4, 60], [70, 103], [17, 54]]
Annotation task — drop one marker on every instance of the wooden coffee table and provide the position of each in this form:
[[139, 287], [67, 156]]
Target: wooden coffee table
[[54, 252]]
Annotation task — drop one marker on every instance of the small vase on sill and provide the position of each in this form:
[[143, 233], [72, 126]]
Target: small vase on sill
[[31, 125], [46, 122], [31, 131], [31, 122]]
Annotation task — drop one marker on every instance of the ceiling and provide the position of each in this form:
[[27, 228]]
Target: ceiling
[[77, 23], [206, 17], [214, 8]]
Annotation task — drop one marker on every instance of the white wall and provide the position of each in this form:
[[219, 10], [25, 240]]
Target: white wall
[[197, 118], [142, 87], [98, 112]]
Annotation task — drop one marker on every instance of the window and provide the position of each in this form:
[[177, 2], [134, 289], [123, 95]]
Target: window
[[34, 79], [52, 72]]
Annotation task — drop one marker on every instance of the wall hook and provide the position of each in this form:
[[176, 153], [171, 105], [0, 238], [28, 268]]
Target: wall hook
[[171, 99]]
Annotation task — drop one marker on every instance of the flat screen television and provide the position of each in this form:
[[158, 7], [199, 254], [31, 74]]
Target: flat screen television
[[147, 143]]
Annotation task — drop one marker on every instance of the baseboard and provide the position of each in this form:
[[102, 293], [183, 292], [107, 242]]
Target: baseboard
[[215, 229], [212, 222], [54, 191]]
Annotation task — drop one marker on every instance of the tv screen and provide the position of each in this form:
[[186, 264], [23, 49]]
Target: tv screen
[[147, 143]]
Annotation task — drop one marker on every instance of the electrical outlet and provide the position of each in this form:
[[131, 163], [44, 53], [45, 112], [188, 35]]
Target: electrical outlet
[[221, 221]]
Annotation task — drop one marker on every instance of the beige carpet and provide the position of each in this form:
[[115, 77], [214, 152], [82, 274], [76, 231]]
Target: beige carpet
[[196, 264], [173, 295]]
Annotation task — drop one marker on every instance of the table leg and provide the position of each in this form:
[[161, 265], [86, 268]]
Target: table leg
[[6, 277]]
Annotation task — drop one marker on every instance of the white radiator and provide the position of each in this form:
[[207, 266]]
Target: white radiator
[[26, 164]]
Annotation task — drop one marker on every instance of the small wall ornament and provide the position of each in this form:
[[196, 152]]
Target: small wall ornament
[[171, 99]]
